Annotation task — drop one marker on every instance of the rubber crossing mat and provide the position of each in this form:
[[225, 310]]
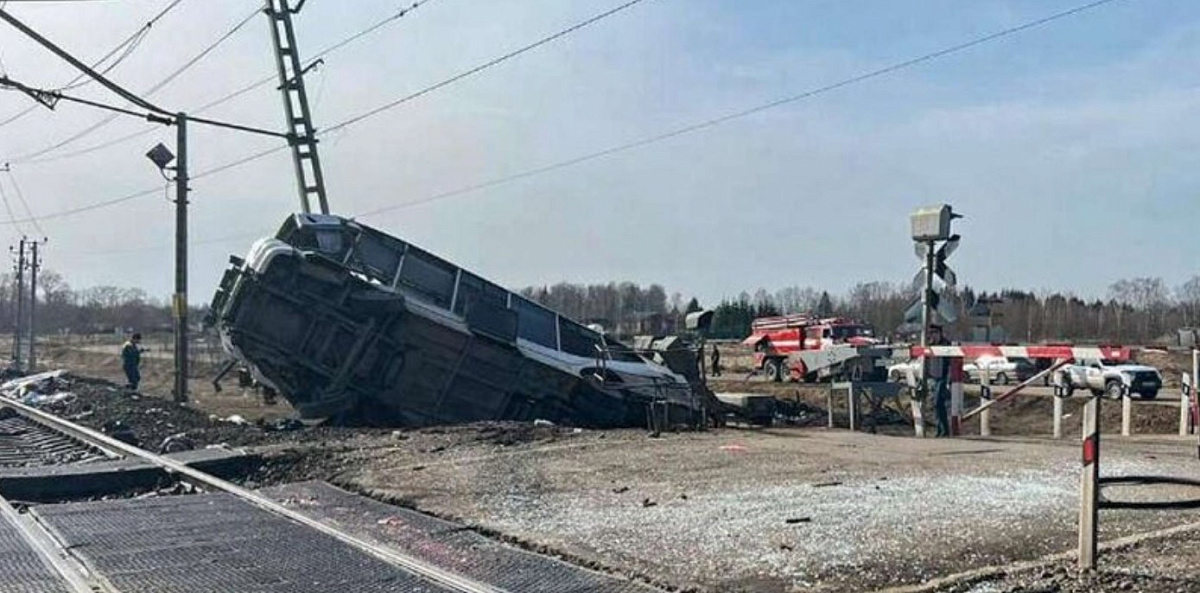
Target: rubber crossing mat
[[215, 543], [445, 544], [22, 569]]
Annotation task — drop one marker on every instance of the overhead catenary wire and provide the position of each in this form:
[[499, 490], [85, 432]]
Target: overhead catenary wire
[[444, 83], [58, 96], [267, 79], [148, 93], [651, 139], [481, 67], [135, 37], [715, 121]]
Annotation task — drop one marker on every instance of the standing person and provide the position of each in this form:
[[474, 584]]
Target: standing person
[[131, 360], [716, 361], [939, 372]]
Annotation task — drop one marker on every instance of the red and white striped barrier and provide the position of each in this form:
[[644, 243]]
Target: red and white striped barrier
[[956, 396], [977, 350]]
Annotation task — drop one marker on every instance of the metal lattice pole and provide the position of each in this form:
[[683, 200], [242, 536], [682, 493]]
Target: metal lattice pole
[[303, 135]]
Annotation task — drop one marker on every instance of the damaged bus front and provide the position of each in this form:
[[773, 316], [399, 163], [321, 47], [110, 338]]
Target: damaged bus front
[[351, 324]]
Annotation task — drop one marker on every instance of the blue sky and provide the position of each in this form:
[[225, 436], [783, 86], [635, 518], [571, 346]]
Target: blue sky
[[1071, 148]]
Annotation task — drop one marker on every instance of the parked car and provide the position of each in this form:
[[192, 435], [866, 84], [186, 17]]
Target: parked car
[[1111, 379], [1000, 370], [898, 373]]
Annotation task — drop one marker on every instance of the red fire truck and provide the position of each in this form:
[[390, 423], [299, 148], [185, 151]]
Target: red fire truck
[[787, 346]]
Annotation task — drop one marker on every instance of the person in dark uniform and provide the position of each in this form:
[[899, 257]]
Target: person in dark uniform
[[939, 372], [131, 361], [716, 361]]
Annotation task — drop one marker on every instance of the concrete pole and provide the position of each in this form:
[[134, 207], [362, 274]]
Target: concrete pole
[[1058, 416], [33, 271], [180, 302], [18, 354], [1126, 415], [1089, 486]]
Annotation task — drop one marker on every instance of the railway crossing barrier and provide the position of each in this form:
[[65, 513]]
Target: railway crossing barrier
[[1062, 355]]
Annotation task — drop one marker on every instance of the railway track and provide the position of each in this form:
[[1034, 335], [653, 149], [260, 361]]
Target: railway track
[[228, 538]]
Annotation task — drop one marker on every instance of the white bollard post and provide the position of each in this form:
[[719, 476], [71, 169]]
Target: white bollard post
[[1185, 407], [918, 391], [1058, 416], [1089, 486], [852, 405], [829, 404], [1126, 415], [956, 396], [918, 419], [985, 416]]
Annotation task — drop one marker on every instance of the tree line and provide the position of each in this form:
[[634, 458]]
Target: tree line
[[1133, 311], [1142, 310], [93, 310]]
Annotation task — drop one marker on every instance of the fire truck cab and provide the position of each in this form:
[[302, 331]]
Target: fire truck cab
[[776, 340]]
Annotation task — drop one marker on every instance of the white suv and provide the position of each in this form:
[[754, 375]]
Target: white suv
[[1112, 379]]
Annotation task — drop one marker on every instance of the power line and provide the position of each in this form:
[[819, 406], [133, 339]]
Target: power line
[[748, 111], [274, 76], [8, 208], [150, 92], [12, 180], [136, 36], [481, 67], [54, 96], [645, 141]]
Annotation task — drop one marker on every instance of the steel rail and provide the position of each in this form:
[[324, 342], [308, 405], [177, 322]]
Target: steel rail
[[419, 567]]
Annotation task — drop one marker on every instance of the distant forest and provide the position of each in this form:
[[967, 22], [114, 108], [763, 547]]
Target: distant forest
[[1135, 311], [95, 310]]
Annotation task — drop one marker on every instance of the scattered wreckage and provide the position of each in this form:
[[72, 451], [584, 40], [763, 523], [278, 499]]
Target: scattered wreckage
[[359, 327]]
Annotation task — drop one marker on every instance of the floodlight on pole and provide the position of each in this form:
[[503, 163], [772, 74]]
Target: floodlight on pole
[[161, 156]]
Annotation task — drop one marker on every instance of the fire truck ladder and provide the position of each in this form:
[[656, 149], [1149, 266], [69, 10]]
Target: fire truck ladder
[[302, 134]]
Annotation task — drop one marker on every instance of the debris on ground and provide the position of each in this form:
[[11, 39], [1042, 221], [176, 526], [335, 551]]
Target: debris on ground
[[43, 383], [177, 443]]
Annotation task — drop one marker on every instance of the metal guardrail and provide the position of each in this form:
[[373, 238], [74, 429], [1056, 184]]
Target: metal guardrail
[[423, 569]]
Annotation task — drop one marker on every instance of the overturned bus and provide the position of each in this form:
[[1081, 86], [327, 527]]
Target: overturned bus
[[356, 326]]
